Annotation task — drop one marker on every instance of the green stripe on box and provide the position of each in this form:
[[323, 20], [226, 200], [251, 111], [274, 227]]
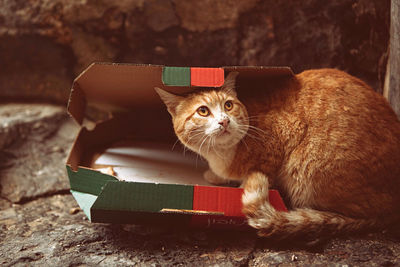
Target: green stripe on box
[[132, 196], [176, 76], [88, 181]]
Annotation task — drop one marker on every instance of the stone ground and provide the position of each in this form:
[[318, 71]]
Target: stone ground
[[41, 224]]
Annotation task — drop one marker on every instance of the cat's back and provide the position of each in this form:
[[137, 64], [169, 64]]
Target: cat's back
[[346, 109], [352, 139], [331, 96], [331, 90]]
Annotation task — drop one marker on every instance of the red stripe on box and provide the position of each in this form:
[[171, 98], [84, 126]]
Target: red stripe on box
[[227, 200], [276, 200], [223, 199], [207, 77]]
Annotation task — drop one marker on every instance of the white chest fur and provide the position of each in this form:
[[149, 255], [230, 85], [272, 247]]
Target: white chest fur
[[220, 163]]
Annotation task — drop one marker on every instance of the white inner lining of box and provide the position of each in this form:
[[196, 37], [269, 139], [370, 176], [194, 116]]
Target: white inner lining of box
[[150, 162]]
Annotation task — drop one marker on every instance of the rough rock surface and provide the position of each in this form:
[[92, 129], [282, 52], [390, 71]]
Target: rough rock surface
[[51, 236], [41, 225], [48, 42], [34, 143]]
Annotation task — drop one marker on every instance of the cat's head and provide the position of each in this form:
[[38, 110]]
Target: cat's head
[[208, 119]]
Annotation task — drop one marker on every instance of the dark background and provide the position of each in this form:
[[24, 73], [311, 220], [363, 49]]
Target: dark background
[[45, 44]]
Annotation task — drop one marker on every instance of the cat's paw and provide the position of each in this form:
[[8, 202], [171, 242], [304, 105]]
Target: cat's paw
[[255, 195], [212, 178], [256, 189]]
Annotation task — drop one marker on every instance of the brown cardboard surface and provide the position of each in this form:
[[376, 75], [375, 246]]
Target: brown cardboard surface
[[77, 103], [117, 88], [120, 86], [258, 71], [124, 87]]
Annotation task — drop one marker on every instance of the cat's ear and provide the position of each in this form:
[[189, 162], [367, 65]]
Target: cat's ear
[[230, 83], [170, 100]]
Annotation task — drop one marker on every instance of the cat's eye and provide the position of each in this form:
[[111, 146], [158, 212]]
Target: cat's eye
[[203, 111], [228, 105]]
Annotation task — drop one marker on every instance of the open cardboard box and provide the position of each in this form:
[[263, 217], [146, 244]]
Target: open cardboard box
[[126, 168]]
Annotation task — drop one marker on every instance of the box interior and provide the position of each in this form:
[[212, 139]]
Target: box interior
[[138, 161], [126, 162], [141, 121]]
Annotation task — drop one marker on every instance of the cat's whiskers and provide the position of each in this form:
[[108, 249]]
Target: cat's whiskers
[[246, 129], [177, 140], [201, 145], [256, 128], [246, 133], [194, 136], [255, 135], [247, 147], [209, 144], [198, 153], [252, 131], [216, 151], [205, 140], [198, 132], [194, 145], [252, 127], [184, 150], [254, 118]]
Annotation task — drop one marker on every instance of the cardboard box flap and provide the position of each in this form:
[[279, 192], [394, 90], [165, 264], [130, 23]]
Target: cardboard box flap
[[89, 181], [85, 201], [258, 71], [113, 87]]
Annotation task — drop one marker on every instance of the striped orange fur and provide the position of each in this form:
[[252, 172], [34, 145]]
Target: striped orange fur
[[325, 139]]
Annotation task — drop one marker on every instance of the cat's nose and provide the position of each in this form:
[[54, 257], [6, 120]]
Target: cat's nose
[[224, 122]]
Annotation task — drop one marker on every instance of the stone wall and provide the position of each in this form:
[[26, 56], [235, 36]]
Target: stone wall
[[44, 44]]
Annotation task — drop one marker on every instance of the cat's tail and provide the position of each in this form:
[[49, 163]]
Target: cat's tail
[[312, 225], [309, 224]]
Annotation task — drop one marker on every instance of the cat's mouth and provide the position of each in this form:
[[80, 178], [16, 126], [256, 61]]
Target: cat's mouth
[[223, 132]]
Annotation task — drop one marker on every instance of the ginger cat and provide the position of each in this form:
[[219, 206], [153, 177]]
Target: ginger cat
[[325, 140]]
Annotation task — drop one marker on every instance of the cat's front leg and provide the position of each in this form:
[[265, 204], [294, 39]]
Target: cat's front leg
[[212, 178], [256, 190], [255, 200]]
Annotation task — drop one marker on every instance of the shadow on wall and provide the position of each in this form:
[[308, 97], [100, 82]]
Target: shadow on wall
[[46, 44]]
